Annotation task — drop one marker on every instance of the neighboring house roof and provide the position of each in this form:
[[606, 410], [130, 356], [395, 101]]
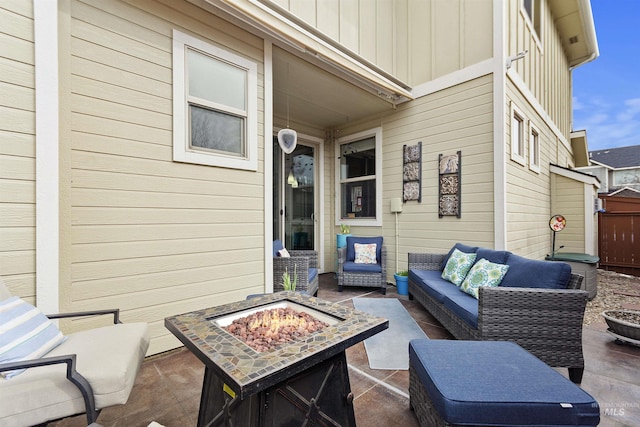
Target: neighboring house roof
[[617, 158], [626, 192]]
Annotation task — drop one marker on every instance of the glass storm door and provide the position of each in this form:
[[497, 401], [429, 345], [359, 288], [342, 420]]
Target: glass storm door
[[294, 196]]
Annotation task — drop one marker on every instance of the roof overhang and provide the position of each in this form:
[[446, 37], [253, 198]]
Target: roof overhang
[[575, 175], [277, 22], [574, 21], [580, 148]]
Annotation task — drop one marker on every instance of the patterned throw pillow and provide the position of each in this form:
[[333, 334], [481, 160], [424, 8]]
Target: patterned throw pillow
[[458, 266], [25, 333], [365, 253], [483, 273]]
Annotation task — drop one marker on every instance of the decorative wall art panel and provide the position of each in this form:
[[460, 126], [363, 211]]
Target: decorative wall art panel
[[449, 184], [412, 172]]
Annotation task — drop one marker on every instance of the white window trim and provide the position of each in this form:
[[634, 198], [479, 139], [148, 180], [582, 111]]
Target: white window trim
[[516, 138], [534, 148], [365, 222], [532, 29], [181, 150]]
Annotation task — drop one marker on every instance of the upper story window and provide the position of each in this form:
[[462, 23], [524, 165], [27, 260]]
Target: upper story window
[[214, 105], [517, 135], [534, 148], [532, 9], [359, 181]]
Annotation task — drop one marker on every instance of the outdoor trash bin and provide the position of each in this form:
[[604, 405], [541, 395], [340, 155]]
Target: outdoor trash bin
[[583, 264]]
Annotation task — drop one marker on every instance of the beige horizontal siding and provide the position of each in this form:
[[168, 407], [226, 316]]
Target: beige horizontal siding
[[17, 148], [458, 118], [146, 234]]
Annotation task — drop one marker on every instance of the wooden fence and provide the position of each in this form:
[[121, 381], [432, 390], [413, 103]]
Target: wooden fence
[[619, 236]]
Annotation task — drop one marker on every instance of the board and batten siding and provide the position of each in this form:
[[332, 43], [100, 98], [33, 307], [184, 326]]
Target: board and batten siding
[[146, 234], [415, 41], [527, 191], [545, 69], [17, 149], [568, 199], [459, 118]]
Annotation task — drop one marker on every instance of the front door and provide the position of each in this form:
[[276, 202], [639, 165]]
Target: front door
[[295, 196]]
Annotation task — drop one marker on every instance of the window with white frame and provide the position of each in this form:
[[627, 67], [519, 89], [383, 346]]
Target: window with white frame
[[214, 105], [359, 182], [517, 135], [532, 9], [534, 148]]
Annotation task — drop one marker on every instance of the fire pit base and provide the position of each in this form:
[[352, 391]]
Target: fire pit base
[[320, 395]]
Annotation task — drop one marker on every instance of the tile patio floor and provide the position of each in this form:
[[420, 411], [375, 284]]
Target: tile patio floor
[[168, 388]]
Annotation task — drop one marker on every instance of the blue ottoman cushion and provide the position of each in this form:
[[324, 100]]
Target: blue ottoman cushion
[[497, 383]]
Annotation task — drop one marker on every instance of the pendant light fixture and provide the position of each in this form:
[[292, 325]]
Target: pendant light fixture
[[287, 138]]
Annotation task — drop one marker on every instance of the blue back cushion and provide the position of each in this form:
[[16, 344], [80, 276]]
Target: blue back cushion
[[531, 273], [351, 252], [492, 255], [277, 246], [462, 248]]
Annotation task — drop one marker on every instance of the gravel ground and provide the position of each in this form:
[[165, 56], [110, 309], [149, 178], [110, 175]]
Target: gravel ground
[[610, 287]]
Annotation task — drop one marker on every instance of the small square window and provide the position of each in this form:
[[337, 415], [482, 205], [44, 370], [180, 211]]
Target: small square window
[[534, 149], [517, 135]]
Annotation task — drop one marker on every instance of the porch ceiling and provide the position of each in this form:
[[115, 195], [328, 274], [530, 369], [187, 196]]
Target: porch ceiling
[[309, 94]]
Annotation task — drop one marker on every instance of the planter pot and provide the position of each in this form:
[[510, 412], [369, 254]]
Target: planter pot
[[624, 324], [341, 240], [402, 284]]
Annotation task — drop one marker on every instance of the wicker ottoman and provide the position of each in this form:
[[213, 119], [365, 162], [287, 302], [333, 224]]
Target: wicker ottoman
[[491, 383]]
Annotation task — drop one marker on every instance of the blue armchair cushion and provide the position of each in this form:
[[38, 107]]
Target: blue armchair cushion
[[497, 383], [530, 273], [277, 247], [351, 240], [354, 267]]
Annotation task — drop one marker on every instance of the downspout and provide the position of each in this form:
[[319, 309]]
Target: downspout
[[499, 129]]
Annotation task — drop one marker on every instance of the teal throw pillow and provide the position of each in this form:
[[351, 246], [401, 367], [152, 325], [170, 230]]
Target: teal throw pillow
[[483, 273], [458, 266]]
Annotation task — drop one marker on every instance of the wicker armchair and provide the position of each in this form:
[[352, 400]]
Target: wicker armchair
[[304, 263], [546, 322], [370, 276]]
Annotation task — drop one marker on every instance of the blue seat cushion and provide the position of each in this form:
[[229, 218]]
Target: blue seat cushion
[[313, 273], [277, 246], [465, 306], [352, 267], [433, 283], [462, 248], [351, 252], [531, 273], [497, 383]]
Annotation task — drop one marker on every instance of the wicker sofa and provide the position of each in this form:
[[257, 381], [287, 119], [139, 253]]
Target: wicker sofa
[[542, 318]]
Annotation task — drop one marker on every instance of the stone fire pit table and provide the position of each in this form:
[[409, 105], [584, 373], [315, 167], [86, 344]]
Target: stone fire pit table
[[300, 381]]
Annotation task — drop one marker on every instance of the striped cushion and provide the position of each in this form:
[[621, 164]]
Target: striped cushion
[[25, 333]]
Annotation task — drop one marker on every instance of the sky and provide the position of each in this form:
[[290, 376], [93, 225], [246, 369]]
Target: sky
[[606, 92]]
